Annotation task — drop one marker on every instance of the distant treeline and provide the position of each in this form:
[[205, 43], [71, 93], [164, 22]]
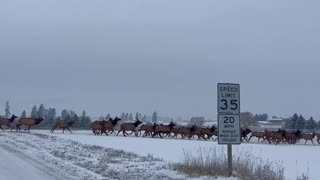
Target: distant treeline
[[294, 122], [82, 121]]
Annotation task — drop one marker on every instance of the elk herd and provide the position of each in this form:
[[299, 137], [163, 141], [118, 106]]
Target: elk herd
[[171, 130]]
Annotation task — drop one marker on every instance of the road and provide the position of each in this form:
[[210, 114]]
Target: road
[[15, 165]]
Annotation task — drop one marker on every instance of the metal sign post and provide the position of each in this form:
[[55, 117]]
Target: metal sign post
[[229, 117]]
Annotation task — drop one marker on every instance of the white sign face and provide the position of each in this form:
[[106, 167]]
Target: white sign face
[[228, 98], [229, 129]]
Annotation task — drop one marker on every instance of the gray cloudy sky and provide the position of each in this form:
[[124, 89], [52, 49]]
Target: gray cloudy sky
[[141, 55]]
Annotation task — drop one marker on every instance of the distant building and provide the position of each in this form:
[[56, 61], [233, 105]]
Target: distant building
[[273, 122]]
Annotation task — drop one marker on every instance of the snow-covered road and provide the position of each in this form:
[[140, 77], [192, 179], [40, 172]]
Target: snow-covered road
[[15, 165]]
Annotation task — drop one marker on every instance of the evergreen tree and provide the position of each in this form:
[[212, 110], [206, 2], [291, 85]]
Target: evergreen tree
[[138, 116], [261, 117], [7, 109], [24, 114], [51, 115], [291, 123], [130, 117], [126, 117], [64, 114], [310, 124], [86, 123], [108, 116], [300, 123], [41, 111], [34, 112], [85, 120], [84, 114], [123, 116], [154, 117], [144, 119]]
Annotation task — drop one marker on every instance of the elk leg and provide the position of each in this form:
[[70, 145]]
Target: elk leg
[[118, 132], [52, 130], [124, 133], [69, 130], [1, 128], [312, 141], [306, 141], [29, 129]]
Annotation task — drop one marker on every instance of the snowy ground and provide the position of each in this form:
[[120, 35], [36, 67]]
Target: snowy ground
[[296, 159], [42, 156]]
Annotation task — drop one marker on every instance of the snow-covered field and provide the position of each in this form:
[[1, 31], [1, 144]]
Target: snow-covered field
[[82, 155], [296, 159]]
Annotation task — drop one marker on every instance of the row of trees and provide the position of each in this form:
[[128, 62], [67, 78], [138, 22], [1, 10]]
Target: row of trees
[[294, 122], [81, 121], [299, 122], [51, 117]]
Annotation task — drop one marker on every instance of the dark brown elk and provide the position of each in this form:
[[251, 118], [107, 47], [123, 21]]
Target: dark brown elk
[[196, 131], [148, 129], [174, 130], [97, 127], [318, 138], [257, 134], [308, 137], [7, 122], [183, 132], [278, 136], [292, 137], [244, 133], [109, 125], [129, 127], [62, 125], [208, 133], [163, 129], [28, 122]]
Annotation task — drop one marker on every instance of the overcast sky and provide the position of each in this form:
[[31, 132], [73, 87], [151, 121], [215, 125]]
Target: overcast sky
[[165, 56]]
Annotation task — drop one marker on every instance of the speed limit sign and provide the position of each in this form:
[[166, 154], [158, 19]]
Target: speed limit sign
[[229, 117], [228, 113], [228, 98]]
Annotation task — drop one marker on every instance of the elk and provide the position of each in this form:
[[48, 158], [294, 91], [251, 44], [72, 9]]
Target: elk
[[97, 127], [292, 137], [276, 137], [210, 132], [148, 129], [318, 138], [196, 131], [183, 131], [28, 122], [308, 137], [62, 125], [257, 134], [110, 124], [165, 129], [129, 127], [244, 133], [7, 122]]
